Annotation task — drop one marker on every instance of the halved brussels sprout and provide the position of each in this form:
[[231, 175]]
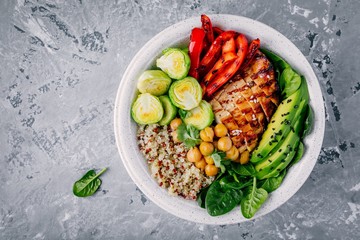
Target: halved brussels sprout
[[186, 93], [155, 82], [170, 110], [200, 117], [175, 62], [147, 109]]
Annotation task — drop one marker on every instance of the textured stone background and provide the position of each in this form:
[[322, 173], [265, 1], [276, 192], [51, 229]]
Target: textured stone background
[[61, 63]]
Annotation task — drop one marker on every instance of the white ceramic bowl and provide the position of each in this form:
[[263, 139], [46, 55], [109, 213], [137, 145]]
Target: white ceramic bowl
[[125, 127]]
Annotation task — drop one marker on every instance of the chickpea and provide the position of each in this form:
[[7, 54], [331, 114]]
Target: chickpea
[[193, 155], [209, 160], [224, 144], [206, 148], [207, 134], [201, 164], [175, 137], [220, 130], [211, 170], [245, 157], [233, 153], [175, 123], [215, 144]]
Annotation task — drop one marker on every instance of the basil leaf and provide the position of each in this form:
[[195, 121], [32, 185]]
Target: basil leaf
[[273, 183], [251, 203], [219, 201], [244, 170], [88, 184]]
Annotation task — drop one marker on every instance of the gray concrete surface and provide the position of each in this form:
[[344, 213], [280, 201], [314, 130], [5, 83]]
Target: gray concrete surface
[[60, 67]]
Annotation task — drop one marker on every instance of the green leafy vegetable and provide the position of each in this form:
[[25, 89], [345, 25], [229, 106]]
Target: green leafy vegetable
[[189, 135], [298, 155], [88, 184], [244, 170], [308, 122], [271, 184], [219, 158], [230, 182], [219, 200], [253, 200], [201, 196], [289, 82]]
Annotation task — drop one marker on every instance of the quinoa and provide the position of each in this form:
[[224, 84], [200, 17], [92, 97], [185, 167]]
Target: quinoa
[[168, 164]]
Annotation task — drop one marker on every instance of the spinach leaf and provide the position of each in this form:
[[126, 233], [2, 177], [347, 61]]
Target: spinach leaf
[[308, 122], [229, 182], [298, 155], [271, 184], [88, 184], [253, 200], [244, 170], [219, 201], [201, 196], [189, 135], [289, 82], [277, 61]]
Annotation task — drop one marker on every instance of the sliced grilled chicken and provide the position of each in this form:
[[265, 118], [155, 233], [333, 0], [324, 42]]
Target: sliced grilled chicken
[[247, 102]]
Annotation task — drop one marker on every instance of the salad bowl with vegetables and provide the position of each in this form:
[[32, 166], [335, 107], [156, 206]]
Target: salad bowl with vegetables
[[219, 121]]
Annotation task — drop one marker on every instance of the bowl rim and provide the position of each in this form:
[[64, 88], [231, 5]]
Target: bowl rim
[[317, 133]]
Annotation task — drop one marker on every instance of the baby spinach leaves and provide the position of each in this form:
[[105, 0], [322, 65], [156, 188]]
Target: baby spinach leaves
[[271, 184], [244, 170], [88, 184], [220, 200], [253, 200]]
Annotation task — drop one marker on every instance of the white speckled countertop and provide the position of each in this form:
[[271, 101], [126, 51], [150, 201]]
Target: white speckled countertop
[[61, 63]]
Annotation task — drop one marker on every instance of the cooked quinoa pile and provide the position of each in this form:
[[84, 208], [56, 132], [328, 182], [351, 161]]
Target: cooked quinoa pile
[[168, 164]]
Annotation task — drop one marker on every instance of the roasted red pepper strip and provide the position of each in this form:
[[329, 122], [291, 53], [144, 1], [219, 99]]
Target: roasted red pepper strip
[[195, 48], [217, 31], [254, 46], [229, 70], [207, 26], [212, 55]]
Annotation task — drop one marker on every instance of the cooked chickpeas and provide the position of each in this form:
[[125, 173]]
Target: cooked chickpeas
[[220, 130], [209, 160], [233, 153], [207, 134], [211, 170], [206, 148], [201, 164], [245, 157], [224, 144], [175, 123], [193, 155], [215, 144], [175, 137]]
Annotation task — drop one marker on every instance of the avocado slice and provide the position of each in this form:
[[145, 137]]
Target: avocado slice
[[286, 115], [169, 110]]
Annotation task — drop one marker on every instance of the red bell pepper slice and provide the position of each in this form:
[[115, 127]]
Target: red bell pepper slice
[[212, 55], [226, 73], [207, 26], [195, 49], [254, 46]]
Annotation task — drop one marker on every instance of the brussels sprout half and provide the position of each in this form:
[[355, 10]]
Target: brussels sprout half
[[155, 82], [175, 62], [200, 117], [186, 93], [147, 109]]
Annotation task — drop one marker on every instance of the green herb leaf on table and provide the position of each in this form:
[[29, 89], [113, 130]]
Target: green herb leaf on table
[[88, 184], [189, 135], [253, 200]]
